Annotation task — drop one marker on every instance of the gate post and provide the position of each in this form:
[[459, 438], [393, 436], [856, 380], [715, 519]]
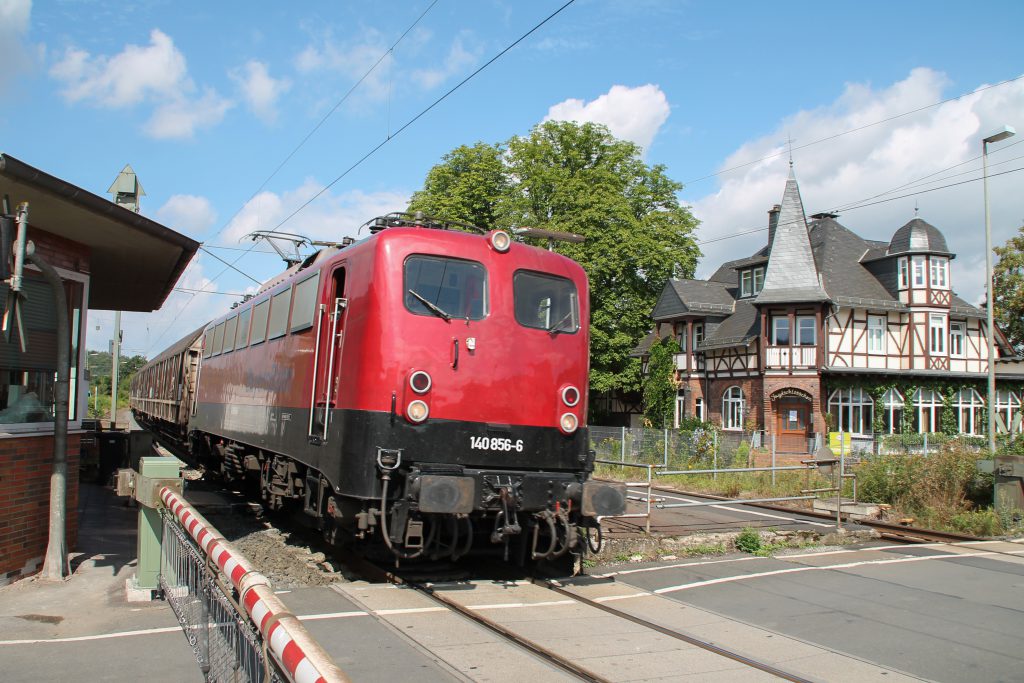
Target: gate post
[[154, 474]]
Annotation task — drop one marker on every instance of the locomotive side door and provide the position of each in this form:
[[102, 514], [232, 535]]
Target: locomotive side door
[[327, 359]]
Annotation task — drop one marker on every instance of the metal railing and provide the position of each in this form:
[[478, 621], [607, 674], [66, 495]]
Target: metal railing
[[226, 646]]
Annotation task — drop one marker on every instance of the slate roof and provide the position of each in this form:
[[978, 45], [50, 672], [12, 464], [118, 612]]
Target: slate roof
[[918, 237], [829, 263], [694, 296], [792, 275]]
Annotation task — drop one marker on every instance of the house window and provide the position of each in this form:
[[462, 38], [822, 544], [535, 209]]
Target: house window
[[892, 411], [746, 283], [927, 411], [28, 380], [681, 336], [852, 409], [732, 408], [758, 279], [939, 272], [805, 331], [957, 332], [876, 333], [698, 335], [780, 331], [1007, 410], [904, 273], [968, 405], [918, 271], [698, 409], [937, 334]]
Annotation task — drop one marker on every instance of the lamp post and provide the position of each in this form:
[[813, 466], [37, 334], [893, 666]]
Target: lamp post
[[1006, 132]]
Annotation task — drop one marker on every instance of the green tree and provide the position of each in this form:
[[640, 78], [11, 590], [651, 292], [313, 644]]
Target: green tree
[[1008, 285], [659, 390], [578, 178]]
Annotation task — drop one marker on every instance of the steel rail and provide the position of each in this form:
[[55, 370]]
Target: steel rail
[[703, 644], [368, 569]]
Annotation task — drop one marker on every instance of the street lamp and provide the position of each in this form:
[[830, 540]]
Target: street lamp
[[1006, 132]]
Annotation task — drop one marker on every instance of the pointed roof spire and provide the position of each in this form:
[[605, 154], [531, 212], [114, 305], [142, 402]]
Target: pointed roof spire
[[791, 275]]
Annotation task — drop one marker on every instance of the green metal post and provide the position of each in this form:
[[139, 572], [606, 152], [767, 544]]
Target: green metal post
[[150, 527]]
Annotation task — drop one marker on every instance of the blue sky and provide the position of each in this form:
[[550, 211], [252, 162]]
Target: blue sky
[[205, 100]]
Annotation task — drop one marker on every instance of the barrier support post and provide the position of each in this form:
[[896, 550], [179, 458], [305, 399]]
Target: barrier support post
[[154, 474]]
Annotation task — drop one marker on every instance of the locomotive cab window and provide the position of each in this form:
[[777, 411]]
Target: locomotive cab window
[[445, 287], [546, 302]]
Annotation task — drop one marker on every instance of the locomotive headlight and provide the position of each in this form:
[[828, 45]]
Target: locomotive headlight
[[568, 423], [420, 382], [570, 396], [500, 241], [417, 411]]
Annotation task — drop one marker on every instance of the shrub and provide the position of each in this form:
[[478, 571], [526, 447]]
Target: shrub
[[748, 540]]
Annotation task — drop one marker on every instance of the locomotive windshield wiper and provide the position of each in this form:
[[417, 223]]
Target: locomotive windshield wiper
[[434, 308], [556, 328]]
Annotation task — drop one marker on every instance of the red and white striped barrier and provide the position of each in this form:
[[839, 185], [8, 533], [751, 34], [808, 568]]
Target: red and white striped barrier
[[300, 657]]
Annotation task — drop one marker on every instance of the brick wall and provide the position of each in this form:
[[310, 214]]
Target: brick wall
[[60, 252], [808, 383], [26, 463], [752, 396]]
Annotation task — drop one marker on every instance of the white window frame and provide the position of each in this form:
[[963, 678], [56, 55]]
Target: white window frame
[[854, 409], [1008, 404], [957, 339], [775, 330], [746, 283], [698, 408], [919, 271], [798, 337], [877, 325], [732, 408], [968, 403], [892, 400], [698, 335], [758, 279], [937, 333], [904, 272], [939, 272], [930, 400]]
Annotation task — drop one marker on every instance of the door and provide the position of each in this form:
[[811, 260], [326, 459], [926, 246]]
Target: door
[[330, 318], [792, 425]]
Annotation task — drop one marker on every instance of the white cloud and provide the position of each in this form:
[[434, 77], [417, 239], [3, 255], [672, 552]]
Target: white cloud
[[875, 160], [259, 89], [634, 114], [14, 24], [352, 59], [328, 217], [188, 214], [458, 59], [154, 74]]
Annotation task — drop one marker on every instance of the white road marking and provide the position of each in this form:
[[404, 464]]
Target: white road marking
[[748, 512], [846, 565], [696, 563], [100, 636]]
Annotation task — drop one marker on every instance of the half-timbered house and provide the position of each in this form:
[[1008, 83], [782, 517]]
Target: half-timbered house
[[822, 330]]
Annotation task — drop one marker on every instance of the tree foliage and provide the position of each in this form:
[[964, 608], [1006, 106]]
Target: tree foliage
[[578, 178], [1008, 285], [659, 389]]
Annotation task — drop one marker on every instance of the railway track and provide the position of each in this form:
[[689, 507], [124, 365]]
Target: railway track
[[442, 594]]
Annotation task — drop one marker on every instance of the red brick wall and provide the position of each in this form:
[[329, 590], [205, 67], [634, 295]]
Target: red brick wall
[[809, 383], [60, 252], [26, 463], [752, 391]]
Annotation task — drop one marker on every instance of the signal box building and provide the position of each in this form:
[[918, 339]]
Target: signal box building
[[109, 258], [822, 330]]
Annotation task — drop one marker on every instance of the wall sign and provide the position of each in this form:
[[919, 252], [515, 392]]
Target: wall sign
[[791, 391]]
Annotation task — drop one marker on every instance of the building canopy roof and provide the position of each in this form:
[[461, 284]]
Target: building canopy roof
[[918, 237], [135, 261]]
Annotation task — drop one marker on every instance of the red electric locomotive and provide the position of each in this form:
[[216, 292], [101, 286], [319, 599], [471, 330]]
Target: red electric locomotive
[[424, 387]]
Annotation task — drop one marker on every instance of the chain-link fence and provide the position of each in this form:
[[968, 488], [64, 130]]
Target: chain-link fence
[[674, 449], [226, 646]]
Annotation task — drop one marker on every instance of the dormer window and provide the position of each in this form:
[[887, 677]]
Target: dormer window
[[751, 281], [918, 262], [939, 272], [904, 273]]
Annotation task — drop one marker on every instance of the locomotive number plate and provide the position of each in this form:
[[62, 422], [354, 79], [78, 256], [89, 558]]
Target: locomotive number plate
[[490, 443]]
